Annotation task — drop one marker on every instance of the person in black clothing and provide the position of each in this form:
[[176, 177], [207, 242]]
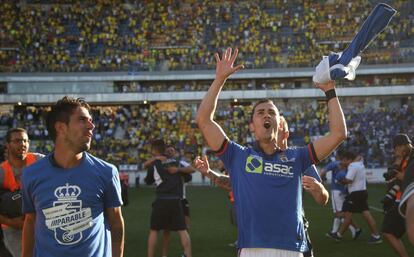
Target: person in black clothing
[[185, 169], [167, 212]]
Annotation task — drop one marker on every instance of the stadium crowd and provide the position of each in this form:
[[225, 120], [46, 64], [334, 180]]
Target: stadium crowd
[[103, 35], [123, 133]]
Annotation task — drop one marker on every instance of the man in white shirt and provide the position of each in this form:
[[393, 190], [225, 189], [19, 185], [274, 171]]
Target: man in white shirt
[[357, 200]]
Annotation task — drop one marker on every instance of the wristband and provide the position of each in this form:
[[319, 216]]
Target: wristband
[[331, 93]]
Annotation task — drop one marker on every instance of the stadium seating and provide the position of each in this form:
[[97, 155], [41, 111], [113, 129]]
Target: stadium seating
[[63, 36], [123, 133]]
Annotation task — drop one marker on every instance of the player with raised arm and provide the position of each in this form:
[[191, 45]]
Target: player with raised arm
[[266, 181]]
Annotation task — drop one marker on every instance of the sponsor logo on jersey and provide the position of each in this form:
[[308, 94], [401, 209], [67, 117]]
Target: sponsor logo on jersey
[[255, 164], [278, 169]]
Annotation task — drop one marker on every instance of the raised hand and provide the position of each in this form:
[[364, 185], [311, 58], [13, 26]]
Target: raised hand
[[202, 165], [224, 66]]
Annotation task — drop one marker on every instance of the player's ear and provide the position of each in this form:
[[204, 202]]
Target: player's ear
[[60, 127]]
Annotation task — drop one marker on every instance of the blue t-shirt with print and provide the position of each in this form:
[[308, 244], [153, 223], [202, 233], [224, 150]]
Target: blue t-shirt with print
[[69, 205], [268, 195]]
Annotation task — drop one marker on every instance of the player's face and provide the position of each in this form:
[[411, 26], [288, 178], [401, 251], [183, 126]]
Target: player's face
[[170, 152], [265, 122], [345, 162], [79, 130], [18, 145]]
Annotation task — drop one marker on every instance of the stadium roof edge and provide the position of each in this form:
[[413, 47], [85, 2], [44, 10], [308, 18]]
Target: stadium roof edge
[[191, 75]]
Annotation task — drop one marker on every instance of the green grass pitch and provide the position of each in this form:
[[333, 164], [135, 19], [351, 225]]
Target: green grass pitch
[[211, 231]]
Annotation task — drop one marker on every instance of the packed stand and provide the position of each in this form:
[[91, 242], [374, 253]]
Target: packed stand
[[123, 133], [104, 35]]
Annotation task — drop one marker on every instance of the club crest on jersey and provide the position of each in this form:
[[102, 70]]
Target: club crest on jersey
[[254, 164], [67, 218], [284, 158]]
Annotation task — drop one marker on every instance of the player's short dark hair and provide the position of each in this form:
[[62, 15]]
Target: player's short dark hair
[[340, 151], [159, 145], [13, 130], [348, 155], [401, 139], [62, 111], [267, 100], [170, 146]]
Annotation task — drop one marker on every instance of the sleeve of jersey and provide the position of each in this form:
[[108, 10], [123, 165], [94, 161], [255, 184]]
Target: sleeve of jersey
[[184, 163], [313, 172], [113, 196], [227, 151], [27, 201], [307, 156], [312, 154]]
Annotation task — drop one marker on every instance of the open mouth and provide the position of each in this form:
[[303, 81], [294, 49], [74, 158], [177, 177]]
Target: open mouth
[[267, 125]]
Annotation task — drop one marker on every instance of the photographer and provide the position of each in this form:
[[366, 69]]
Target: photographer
[[403, 149], [393, 226]]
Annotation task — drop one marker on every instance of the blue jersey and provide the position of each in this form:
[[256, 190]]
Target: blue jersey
[[268, 195], [339, 176], [313, 172], [69, 205], [334, 168]]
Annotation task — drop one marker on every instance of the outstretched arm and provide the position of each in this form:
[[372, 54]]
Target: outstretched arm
[[220, 180], [184, 170], [337, 127], [151, 161], [211, 130]]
